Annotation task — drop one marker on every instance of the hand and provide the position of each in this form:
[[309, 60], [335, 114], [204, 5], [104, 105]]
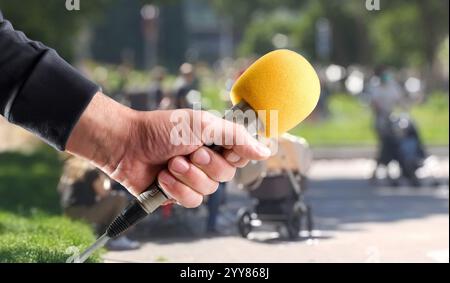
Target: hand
[[134, 148]]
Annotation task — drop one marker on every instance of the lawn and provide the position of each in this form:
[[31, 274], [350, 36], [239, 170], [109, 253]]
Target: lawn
[[350, 122], [31, 226]]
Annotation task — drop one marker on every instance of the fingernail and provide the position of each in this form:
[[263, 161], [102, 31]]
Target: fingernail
[[233, 157], [201, 157], [166, 178], [179, 165], [169, 201], [263, 150]]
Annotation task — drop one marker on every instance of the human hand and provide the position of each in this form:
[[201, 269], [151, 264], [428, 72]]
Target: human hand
[[134, 148]]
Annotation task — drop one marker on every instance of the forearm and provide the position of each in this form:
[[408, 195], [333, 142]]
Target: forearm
[[101, 134], [39, 91]]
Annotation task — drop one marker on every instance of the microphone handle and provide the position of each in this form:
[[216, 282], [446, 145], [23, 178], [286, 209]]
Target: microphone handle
[[152, 198]]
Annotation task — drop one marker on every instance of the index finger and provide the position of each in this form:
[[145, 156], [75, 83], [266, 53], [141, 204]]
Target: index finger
[[232, 136]]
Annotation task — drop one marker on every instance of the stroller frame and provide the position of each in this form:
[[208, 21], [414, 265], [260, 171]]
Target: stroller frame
[[290, 211]]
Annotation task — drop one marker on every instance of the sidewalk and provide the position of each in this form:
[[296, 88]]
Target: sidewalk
[[351, 152], [354, 222]]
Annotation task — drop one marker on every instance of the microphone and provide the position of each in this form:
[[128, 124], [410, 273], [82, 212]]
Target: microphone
[[281, 80]]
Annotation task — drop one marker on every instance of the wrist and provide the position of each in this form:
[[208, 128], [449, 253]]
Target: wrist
[[102, 133]]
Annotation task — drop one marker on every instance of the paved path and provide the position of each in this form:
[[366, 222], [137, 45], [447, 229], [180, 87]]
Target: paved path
[[354, 220]]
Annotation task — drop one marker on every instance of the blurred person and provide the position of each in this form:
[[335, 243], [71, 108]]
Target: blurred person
[[321, 112], [385, 95], [185, 82], [124, 71], [398, 137], [325, 93], [42, 93], [156, 92], [86, 195], [214, 202]]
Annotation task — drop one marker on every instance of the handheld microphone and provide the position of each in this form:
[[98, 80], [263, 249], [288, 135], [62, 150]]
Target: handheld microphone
[[281, 80]]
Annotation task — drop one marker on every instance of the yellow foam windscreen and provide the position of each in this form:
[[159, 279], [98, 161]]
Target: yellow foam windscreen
[[280, 80]]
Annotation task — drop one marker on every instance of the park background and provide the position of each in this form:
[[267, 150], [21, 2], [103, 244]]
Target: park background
[[342, 38]]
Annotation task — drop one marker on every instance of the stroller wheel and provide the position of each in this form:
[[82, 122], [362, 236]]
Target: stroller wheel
[[294, 222], [244, 222]]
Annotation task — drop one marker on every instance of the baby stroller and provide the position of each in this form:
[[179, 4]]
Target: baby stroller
[[277, 186], [400, 142]]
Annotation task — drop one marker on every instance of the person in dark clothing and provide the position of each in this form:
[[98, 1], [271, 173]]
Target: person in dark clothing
[[42, 93], [183, 85], [86, 194], [213, 205], [156, 92]]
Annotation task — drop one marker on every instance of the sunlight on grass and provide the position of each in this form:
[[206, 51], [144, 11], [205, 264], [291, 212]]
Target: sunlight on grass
[[41, 238], [31, 226], [350, 123]]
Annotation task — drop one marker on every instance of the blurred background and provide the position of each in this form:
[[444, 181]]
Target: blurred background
[[364, 179]]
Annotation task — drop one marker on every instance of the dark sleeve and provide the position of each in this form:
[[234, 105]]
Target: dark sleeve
[[39, 91]]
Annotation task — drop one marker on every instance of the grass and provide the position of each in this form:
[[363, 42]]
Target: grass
[[31, 226], [350, 123], [41, 238], [433, 119]]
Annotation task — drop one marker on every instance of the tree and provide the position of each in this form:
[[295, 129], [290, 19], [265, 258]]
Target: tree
[[349, 36], [50, 22]]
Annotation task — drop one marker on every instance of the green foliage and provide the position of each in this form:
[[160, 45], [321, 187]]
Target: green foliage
[[241, 11], [31, 228], [403, 33], [260, 32], [51, 23], [28, 181], [391, 32], [443, 53], [300, 26]]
